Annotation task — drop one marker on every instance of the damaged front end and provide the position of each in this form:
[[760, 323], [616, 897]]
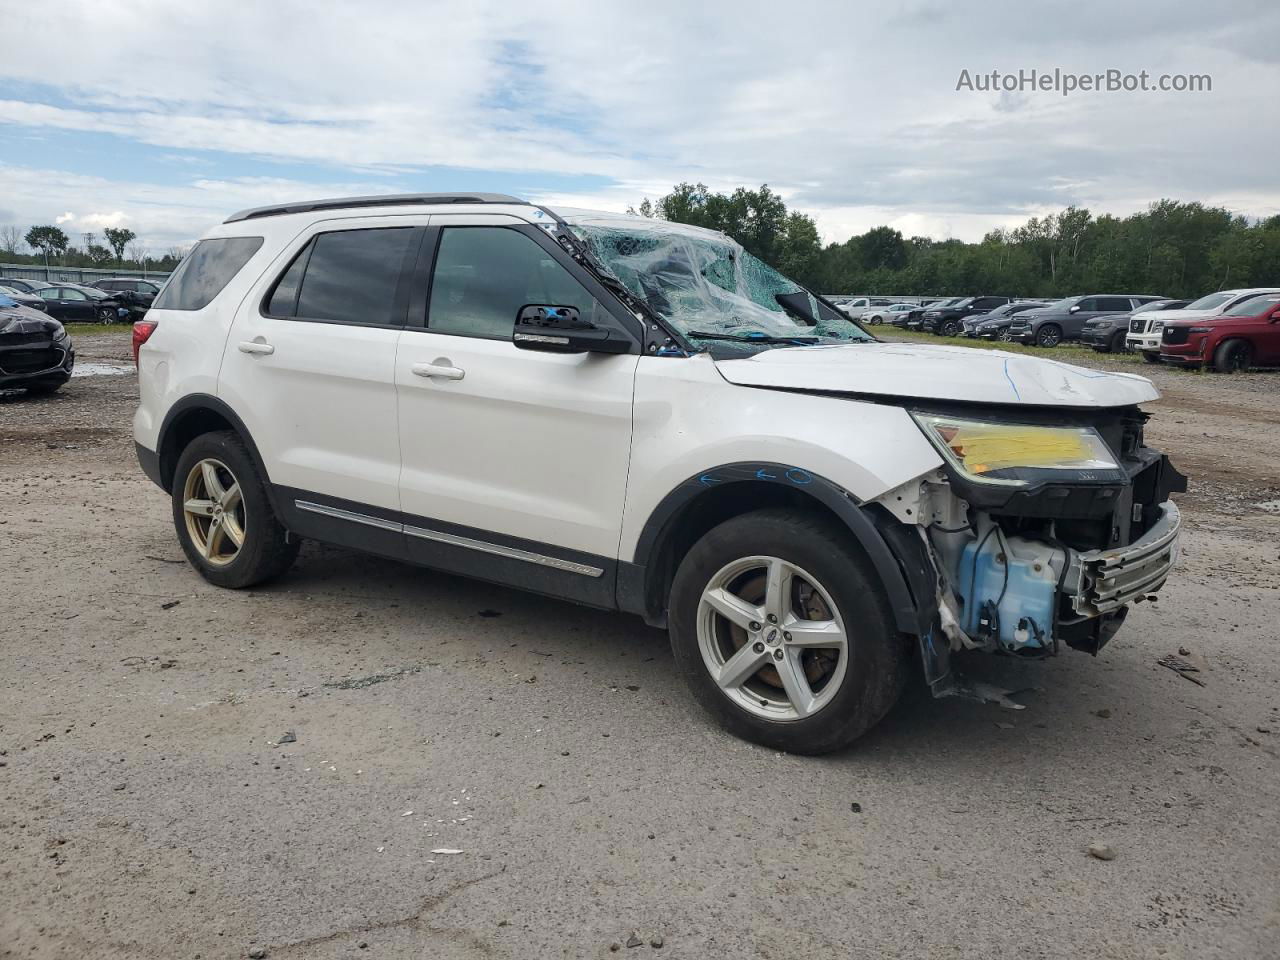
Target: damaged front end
[[1043, 527]]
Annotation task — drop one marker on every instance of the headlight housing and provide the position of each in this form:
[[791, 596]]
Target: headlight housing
[[60, 332], [1018, 454]]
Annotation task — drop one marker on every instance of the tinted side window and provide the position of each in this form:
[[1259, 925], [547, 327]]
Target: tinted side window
[[207, 269], [284, 298], [1113, 304], [1088, 303], [484, 275], [352, 276]]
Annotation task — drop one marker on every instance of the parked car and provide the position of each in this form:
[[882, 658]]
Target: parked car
[[565, 403], [895, 314], [23, 284], [995, 324], [916, 317], [1147, 336], [1065, 319], [72, 303], [22, 297], [1106, 333], [137, 294], [35, 351], [1247, 335], [948, 320]]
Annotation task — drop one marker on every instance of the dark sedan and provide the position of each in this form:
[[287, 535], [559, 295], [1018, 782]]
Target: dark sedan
[[35, 351], [23, 284], [995, 325], [72, 303], [22, 296]]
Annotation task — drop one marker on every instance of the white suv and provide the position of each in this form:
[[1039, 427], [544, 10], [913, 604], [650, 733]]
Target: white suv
[[639, 415]]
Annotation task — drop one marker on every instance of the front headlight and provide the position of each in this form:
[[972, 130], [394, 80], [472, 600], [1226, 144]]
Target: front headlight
[[60, 333], [1016, 454], [1103, 324]]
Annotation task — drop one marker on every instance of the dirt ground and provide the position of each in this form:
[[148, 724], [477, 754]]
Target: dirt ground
[[148, 807]]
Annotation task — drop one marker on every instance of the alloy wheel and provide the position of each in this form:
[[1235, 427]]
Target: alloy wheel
[[214, 510], [772, 638]]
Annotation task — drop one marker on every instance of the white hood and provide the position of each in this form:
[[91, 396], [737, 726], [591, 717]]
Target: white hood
[[937, 373], [1163, 315]]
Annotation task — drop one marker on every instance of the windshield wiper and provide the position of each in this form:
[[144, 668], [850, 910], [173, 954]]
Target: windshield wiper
[[749, 338]]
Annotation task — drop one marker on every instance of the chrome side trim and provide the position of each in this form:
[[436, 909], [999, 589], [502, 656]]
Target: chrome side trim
[[497, 550], [320, 508], [500, 551]]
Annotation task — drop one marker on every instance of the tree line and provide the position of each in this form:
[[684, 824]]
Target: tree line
[[1171, 249], [50, 244]]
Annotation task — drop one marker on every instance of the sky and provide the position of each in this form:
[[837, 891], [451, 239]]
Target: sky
[[166, 117]]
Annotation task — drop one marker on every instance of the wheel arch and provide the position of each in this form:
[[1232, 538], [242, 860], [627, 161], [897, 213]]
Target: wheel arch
[[713, 496], [192, 416]]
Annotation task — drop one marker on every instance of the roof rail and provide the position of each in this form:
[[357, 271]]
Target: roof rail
[[387, 200]]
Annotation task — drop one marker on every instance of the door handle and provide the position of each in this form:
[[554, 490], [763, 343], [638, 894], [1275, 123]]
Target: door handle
[[438, 370], [256, 346]]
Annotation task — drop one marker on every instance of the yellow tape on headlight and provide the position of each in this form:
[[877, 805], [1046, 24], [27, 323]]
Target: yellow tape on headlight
[[979, 448]]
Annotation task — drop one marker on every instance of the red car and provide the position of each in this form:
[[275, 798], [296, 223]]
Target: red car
[[1247, 335]]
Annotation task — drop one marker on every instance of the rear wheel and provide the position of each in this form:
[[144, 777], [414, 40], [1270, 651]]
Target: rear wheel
[[223, 516], [1233, 356], [1050, 335], [783, 632]]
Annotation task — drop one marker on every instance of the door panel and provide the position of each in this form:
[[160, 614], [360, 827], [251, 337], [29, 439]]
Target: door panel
[[511, 446], [318, 393]]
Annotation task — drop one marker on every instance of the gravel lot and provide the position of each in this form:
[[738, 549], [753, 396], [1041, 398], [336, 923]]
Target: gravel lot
[[148, 809]]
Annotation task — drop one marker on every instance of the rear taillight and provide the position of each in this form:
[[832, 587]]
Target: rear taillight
[[142, 331]]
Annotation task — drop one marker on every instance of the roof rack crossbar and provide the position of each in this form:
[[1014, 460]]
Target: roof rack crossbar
[[387, 200]]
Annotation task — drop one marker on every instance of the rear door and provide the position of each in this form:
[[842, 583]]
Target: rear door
[[515, 461], [310, 366]]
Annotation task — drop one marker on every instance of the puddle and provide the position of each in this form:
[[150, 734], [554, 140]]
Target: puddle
[[1269, 506], [101, 369]]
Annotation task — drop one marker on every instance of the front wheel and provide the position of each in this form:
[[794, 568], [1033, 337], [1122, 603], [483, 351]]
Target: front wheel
[[784, 634], [223, 516], [1005, 336], [1150, 356], [106, 315], [950, 328], [1050, 335], [1234, 356]]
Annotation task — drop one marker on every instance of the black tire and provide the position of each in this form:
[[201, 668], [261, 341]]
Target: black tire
[[950, 328], [1005, 336], [1118, 343], [1049, 335], [877, 655], [1233, 356], [1150, 356], [106, 315], [268, 549]]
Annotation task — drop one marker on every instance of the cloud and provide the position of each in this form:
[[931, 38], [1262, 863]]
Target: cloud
[[849, 111]]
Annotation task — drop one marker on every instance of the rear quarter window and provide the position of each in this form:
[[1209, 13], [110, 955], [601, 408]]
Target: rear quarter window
[[208, 268]]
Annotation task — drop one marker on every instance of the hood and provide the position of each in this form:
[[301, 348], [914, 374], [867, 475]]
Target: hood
[[1166, 315], [25, 320], [930, 372]]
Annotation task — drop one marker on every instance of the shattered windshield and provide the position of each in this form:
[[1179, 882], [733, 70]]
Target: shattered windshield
[[708, 286]]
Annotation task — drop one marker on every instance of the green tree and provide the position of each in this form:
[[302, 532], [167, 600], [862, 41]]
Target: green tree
[[49, 240], [118, 238]]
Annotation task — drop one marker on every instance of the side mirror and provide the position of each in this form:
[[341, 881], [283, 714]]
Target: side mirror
[[554, 329], [1275, 317], [1075, 309]]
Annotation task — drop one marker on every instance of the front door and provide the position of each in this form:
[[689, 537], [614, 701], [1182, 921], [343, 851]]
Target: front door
[[514, 461], [310, 367]]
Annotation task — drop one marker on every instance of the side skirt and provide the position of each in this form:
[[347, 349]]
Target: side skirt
[[481, 554]]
